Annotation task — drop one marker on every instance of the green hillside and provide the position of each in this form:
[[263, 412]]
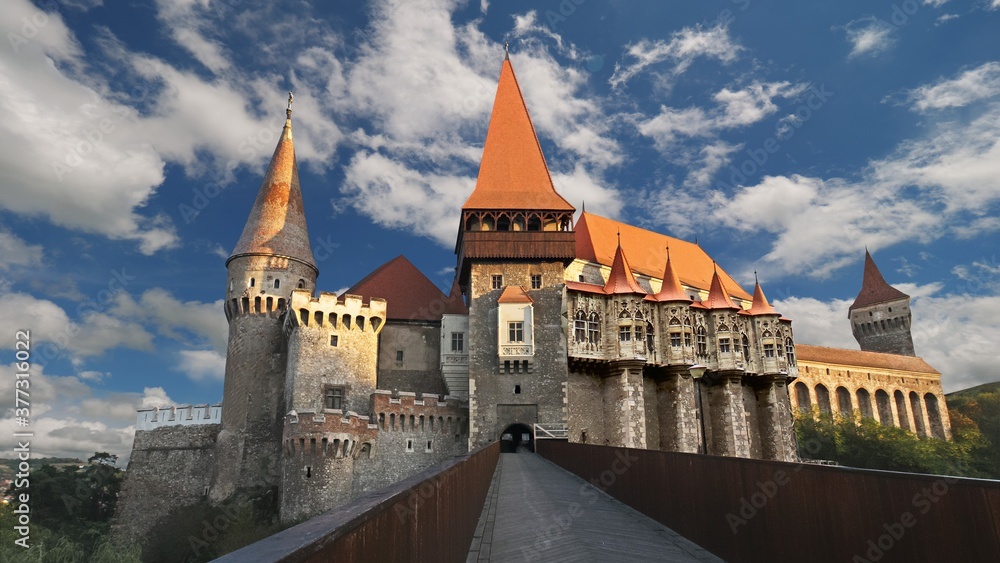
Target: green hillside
[[8, 467], [977, 409]]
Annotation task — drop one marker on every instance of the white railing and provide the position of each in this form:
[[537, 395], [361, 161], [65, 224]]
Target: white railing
[[552, 431]]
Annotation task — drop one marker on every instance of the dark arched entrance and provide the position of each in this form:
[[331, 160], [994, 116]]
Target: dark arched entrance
[[517, 438]]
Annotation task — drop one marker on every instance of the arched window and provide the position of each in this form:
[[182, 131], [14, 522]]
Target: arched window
[[746, 348], [865, 403], [301, 284], [934, 415], [252, 282], [823, 398], [918, 414], [844, 402], [277, 283], [884, 408], [790, 351], [580, 327], [472, 224], [503, 223], [904, 418], [802, 396], [702, 341], [534, 223], [594, 329]]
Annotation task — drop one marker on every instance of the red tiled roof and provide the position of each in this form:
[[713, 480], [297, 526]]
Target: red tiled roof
[[718, 297], [585, 287], [760, 305], [409, 295], [277, 221], [621, 279], [874, 288], [514, 294], [845, 357], [512, 173], [671, 289], [456, 305], [595, 242]]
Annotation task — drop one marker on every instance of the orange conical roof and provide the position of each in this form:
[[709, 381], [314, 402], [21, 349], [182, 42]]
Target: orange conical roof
[[671, 289], [277, 222], [621, 279], [513, 174], [760, 305], [718, 297], [874, 288]]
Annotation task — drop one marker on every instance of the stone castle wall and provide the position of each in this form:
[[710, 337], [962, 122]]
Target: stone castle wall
[[171, 467], [419, 370]]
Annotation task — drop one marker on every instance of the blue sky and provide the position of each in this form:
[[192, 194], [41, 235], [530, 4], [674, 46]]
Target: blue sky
[[785, 136]]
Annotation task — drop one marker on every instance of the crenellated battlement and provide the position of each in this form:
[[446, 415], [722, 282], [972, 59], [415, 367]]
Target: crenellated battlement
[[404, 412], [263, 304], [182, 415], [327, 434], [348, 312]]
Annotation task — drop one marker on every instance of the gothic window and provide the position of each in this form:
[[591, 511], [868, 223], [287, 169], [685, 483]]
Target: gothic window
[[515, 331], [746, 348], [497, 281], [334, 397], [736, 346], [639, 336], [594, 328], [458, 342], [649, 336], [723, 328], [790, 351], [580, 327], [536, 281], [687, 339], [724, 345], [768, 350], [625, 333], [702, 340]]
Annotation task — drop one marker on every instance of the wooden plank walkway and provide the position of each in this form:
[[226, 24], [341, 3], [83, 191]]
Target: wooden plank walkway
[[537, 511]]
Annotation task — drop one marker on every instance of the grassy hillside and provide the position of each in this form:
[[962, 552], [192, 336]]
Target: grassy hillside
[[977, 409]]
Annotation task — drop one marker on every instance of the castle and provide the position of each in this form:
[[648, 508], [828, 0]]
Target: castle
[[590, 330]]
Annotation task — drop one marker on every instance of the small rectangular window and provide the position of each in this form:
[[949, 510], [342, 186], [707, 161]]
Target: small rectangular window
[[625, 333], [687, 339], [580, 331], [675, 339], [334, 398], [458, 342], [517, 389], [429, 447], [333, 340], [769, 350], [515, 331], [497, 282], [724, 345], [409, 445], [536, 281], [506, 366], [399, 355]]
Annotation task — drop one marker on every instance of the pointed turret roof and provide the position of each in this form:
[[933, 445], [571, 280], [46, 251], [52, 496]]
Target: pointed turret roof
[[874, 288], [718, 297], [513, 173], [277, 222], [760, 305], [671, 289], [408, 294], [621, 279], [693, 266]]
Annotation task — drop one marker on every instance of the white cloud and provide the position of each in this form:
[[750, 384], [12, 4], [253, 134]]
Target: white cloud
[[944, 18], [202, 365], [684, 47], [16, 253], [70, 420], [975, 84], [869, 36], [169, 315]]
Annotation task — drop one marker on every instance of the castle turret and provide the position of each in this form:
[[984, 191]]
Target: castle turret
[[517, 232], [880, 316], [271, 259]]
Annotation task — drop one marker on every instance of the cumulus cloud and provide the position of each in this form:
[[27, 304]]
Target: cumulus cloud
[[70, 419], [16, 253], [202, 365], [683, 48]]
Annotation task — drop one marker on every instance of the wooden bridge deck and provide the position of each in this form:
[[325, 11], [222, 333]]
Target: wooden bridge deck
[[537, 511]]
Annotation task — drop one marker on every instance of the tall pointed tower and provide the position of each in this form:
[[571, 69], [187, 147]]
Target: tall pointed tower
[[515, 240], [880, 316], [271, 258]]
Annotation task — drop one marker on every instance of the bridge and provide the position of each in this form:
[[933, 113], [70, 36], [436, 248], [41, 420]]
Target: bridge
[[579, 502]]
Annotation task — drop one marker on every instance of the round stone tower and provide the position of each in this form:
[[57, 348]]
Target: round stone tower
[[272, 258]]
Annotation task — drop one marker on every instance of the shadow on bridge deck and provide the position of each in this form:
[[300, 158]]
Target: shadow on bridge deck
[[537, 511]]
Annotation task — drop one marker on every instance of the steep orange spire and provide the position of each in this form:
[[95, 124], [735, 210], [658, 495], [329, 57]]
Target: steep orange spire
[[874, 288], [718, 297], [671, 289], [513, 174], [277, 222], [760, 305], [621, 279]]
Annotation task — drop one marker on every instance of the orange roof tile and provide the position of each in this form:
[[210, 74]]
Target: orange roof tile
[[277, 221], [845, 357], [621, 279], [512, 173], [718, 297], [409, 295], [595, 242], [760, 305], [514, 294], [585, 287], [874, 288], [671, 289]]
